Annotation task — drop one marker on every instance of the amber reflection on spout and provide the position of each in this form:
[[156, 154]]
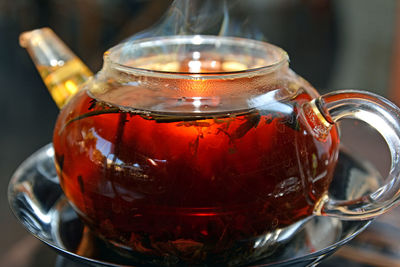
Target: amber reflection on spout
[[64, 81], [61, 70]]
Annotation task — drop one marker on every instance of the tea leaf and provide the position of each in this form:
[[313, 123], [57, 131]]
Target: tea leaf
[[60, 160], [81, 185], [292, 122], [93, 104], [194, 123], [91, 114], [252, 121]]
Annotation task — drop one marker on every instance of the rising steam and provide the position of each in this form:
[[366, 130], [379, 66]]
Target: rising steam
[[205, 17], [193, 17]]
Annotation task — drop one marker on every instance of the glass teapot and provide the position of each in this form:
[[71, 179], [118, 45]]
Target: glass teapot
[[201, 149]]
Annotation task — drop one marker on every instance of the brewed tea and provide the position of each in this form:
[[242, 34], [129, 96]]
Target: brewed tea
[[188, 186]]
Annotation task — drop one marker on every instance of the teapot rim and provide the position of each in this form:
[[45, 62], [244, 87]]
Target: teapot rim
[[111, 56]]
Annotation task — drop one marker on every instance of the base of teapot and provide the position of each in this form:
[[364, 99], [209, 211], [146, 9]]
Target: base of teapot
[[184, 252]]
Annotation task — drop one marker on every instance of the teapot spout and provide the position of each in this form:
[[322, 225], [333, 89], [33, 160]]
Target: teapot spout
[[61, 70]]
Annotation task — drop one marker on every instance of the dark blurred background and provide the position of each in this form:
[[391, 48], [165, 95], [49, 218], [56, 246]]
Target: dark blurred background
[[334, 44]]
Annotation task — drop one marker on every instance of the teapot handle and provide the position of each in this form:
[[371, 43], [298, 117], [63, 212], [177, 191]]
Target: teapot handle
[[383, 116]]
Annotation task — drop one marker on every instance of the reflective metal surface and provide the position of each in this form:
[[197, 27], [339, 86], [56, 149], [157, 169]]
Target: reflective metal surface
[[39, 204]]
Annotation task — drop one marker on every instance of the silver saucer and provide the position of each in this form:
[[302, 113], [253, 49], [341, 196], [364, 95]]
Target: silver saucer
[[39, 204]]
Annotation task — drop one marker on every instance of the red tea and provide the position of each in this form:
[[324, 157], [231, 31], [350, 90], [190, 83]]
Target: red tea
[[188, 186]]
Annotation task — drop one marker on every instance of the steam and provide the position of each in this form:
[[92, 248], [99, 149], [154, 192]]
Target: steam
[[190, 18], [205, 17], [186, 17]]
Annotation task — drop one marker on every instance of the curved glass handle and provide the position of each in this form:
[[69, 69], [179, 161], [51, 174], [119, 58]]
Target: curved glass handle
[[382, 115]]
